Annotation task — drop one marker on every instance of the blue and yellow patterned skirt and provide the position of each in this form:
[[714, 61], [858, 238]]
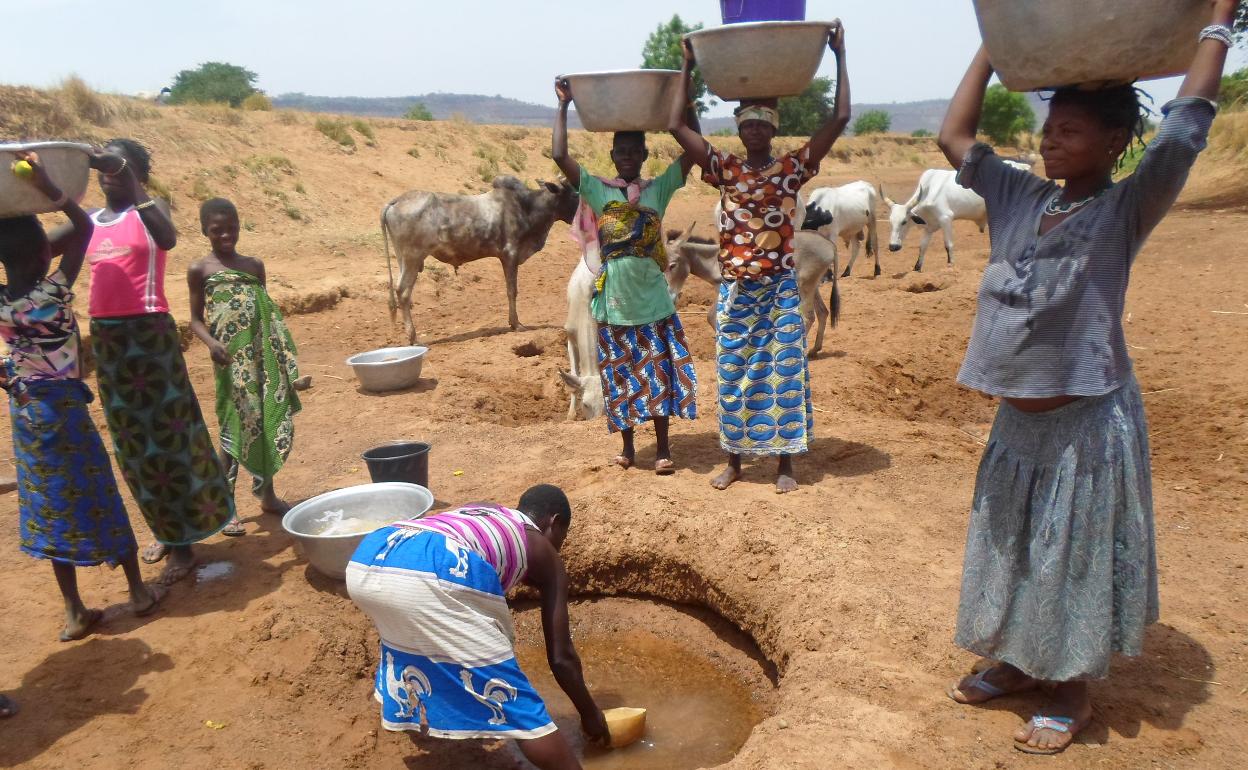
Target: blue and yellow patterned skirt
[[70, 508], [647, 372], [764, 379]]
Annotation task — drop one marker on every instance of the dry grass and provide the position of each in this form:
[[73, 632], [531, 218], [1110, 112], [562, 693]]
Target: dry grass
[[257, 102], [515, 157], [364, 129], [336, 131], [216, 114], [289, 117], [1229, 136], [96, 108]]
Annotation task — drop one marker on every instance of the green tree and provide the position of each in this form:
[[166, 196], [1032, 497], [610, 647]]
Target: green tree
[[1234, 91], [419, 111], [213, 82], [663, 51], [1006, 115], [1241, 23], [802, 115], [921, 133], [872, 122]]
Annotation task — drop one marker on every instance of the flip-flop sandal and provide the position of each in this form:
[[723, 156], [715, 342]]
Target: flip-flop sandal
[[623, 462], [1057, 725], [664, 467], [159, 593], [977, 682], [172, 574], [93, 617], [234, 529], [154, 553], [8, 707]]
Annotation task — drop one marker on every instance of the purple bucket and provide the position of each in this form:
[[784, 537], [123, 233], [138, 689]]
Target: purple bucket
[[738, 11]]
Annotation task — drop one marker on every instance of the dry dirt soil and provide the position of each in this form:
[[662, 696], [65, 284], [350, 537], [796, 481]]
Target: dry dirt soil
[[848, 587]]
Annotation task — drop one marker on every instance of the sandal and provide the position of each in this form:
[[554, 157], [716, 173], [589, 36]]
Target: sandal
[[158, 593], [1065, 725], [154, 553], [234, 529], [623, 462], [978, 683], [93, 617], [664, 467]]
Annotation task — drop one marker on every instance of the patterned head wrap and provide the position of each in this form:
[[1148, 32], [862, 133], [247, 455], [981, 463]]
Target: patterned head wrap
[[759, 112]]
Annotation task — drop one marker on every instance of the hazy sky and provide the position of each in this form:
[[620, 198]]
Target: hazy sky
[[899, 50]]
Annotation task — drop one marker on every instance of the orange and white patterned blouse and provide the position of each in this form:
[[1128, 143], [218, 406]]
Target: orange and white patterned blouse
[[758, 208]]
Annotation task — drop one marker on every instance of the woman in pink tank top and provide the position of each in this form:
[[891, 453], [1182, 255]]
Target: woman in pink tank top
[[164, 449]]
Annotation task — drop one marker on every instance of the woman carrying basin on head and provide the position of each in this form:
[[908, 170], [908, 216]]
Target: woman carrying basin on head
[[764, 381], [647, 371], [1060, 570], [436, 589]]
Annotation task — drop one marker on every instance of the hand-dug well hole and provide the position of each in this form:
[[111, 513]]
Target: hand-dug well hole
[[527, 349], [701, 680]]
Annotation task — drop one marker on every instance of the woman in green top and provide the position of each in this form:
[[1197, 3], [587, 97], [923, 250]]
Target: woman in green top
[[647, 372]]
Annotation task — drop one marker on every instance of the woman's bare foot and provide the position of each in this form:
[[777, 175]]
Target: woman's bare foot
[[1001, 679], [148, 602], [1054, 728], [664, 466], [785, 482], [154, 552], [624, 461], [725, 479], [78, 625]]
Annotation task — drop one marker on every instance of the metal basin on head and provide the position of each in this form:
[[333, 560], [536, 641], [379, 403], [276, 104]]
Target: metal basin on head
[[67, 163], [761, 60], [624, 100]]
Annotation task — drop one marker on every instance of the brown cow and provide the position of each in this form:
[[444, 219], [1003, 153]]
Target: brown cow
[[509, 222]]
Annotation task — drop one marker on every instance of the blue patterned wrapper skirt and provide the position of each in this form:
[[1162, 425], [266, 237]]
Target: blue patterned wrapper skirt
[[647, 372], [70, 509], [764, 377], [448, 666], [1060, 569]]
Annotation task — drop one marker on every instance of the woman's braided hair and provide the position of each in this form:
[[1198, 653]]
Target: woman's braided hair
[[1115, 107]]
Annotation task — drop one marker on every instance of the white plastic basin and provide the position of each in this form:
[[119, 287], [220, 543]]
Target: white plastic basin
[[624, 100], [1035, 45], [67, 163], [388, 368], [760, 60]]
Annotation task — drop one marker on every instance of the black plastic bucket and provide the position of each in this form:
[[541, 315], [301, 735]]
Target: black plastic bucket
[[405, 461]]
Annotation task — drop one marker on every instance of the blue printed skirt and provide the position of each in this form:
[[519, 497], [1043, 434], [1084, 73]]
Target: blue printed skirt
[[70, 508], [1060, 569], [764, 379], [447, 666], [647, 372]]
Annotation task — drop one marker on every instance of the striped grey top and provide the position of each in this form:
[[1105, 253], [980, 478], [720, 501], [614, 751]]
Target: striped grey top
[[1049, 317]]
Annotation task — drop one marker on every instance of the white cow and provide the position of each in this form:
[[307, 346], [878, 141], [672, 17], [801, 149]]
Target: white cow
[[937, 202], [814, 255], [852, 208], [583, 380]]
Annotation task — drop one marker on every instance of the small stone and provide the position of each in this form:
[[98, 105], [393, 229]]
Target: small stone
[[7, 484], [783, 724], [303, 383]]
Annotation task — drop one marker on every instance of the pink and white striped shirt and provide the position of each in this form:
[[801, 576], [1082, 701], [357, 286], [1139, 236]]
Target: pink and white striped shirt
[[127, 268], [494, 533]]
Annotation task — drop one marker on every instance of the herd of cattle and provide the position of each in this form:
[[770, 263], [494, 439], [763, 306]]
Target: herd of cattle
[[512, 221]]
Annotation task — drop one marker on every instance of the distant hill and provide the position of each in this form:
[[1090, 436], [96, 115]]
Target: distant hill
[[501, 110]]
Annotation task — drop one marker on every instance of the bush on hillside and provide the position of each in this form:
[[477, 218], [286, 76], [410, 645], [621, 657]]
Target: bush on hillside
[[336, 131], [364, 129], [213, 82], [419, 111], [872, 122], [921, 133], [1234, 93], [802, 115], [1005, 115], [258, 102]]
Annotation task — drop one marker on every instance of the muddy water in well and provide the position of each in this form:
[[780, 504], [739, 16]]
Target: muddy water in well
[[703, 694]]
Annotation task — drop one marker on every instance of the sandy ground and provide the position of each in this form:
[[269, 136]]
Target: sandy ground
[[849, 586]]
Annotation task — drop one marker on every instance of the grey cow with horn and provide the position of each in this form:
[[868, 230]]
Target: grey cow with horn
[[510, 222]]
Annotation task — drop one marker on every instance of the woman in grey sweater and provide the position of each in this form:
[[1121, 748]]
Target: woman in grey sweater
[[1060, 568]]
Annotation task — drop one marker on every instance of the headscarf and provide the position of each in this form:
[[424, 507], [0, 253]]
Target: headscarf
[[759, 112]]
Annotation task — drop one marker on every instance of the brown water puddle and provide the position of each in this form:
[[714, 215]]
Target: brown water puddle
[[703, 694]]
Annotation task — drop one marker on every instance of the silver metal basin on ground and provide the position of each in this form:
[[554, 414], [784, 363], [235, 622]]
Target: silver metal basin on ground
[[388, 368], [67, 163], [1036, 45], [381, 503], [760, 60], [624, 100]]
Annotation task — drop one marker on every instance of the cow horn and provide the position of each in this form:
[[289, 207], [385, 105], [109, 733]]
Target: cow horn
[[884, 197]]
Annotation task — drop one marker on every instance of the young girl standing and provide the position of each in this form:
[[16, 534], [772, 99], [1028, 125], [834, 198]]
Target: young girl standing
[[70, 511], [1060, 568]]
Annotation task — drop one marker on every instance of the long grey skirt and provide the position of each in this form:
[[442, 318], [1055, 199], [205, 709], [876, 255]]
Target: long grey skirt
[[1061, 566]]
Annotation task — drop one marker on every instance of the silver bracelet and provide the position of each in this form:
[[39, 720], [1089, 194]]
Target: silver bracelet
[[1218, 32]]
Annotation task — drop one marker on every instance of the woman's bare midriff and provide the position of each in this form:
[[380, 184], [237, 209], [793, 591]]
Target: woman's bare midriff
[[1041, 404]]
